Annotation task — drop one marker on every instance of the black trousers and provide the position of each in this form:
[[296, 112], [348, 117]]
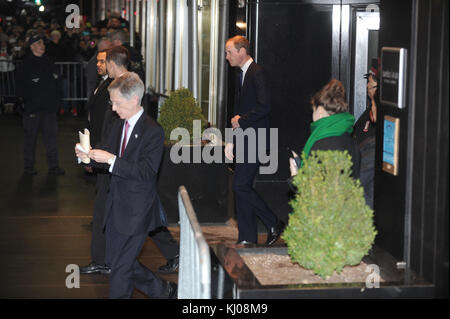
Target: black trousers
[[127, 273], [98, 241], [44, 123], [161, 237], [249, 204]]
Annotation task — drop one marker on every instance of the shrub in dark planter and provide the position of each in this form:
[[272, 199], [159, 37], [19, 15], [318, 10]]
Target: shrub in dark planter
[[206, 183], [331, 226], [180, 110]]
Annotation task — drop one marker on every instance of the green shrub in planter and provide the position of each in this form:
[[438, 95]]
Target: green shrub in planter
[[331, 226], [180, 109]]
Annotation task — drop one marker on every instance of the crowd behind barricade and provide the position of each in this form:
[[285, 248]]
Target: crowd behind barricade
[[63, 44]]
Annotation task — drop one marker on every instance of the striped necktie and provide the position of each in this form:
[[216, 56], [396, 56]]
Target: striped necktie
[[124, 141]]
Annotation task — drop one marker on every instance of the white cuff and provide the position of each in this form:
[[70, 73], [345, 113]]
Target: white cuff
[[111, 164]]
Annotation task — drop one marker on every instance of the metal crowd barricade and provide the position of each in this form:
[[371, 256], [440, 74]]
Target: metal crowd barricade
[[73, 80], [194, 276], [7, 79], [71, 75]]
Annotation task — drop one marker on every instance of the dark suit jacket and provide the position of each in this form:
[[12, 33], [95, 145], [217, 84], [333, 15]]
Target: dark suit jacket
[[132, 197], [97, 105], [90, 71], [252, 103]]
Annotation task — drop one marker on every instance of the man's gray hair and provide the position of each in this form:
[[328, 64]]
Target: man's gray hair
[[129, 85]]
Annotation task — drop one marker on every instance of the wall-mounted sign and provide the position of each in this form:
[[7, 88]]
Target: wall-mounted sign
[[393, 76], [391, 137]]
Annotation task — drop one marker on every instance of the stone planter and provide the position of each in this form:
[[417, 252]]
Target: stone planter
[[244, 269]]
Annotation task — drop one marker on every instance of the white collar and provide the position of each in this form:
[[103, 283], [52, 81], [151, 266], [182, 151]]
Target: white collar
[[132, 120], [246, 66]]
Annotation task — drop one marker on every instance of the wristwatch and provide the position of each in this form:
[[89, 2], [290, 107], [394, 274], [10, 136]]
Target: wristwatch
[[111, 160]]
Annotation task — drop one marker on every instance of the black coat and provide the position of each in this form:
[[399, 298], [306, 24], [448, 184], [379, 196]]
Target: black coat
[[364, 128], [337, 143], [252, 103], [38, 83], [341, 143], [97, 106]]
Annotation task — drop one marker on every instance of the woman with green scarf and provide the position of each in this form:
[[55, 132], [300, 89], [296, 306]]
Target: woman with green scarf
[[332, 126]]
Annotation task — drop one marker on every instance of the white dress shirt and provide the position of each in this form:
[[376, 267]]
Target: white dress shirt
[[132, 122], [245, 68]]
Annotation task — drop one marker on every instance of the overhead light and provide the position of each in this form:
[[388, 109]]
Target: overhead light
[[41, 9], [241, 25]]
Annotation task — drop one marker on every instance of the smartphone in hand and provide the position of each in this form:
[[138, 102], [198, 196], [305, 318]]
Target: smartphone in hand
[[294, 155]]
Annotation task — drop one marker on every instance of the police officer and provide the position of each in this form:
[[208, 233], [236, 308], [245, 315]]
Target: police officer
[[37, 84]]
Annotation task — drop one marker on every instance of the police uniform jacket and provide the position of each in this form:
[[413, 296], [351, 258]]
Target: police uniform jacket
[[37, 82]]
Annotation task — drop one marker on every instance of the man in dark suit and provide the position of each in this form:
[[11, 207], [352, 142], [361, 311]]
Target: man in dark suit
[[112, 64], [98, 105], [98, 102], [90, 70], [117, 60], [132, 154], [251, 111]]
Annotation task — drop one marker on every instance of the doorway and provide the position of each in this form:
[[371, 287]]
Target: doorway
[[367, 25]]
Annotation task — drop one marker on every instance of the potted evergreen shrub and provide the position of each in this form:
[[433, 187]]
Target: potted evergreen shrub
[[331, 226], [206, 183], [330, 249], [180, 110]]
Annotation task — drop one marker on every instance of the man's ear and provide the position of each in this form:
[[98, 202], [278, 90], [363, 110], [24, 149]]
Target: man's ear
[[112, 64], [137, 100]]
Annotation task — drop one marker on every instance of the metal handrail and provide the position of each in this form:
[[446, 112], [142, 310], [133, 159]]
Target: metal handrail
[[194, 276]]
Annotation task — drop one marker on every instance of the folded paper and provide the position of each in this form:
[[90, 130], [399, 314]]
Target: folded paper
[[85, 143]]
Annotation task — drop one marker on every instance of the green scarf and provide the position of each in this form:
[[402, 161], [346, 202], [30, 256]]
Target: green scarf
[[333, 125]]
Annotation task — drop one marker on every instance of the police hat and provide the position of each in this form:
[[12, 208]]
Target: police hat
[[33, 37]]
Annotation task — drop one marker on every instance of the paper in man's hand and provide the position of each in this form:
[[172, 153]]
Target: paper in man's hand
[[85, 144]]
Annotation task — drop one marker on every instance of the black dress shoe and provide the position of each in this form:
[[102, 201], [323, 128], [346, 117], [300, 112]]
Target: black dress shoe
[[56, 171], [171, 266], [94, 268], [275, 233], [245, 243]]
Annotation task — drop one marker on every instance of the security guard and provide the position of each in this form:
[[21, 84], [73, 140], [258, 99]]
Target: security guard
[[37, 84]]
